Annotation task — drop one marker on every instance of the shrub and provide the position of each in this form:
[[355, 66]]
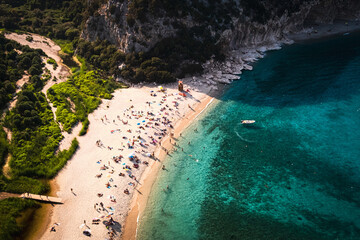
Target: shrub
[[85, 127], [85, 90], [24, 184], [53, 62], [62, 158], [29, 38]]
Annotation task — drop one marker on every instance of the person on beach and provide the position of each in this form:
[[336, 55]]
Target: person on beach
[[157, 124]]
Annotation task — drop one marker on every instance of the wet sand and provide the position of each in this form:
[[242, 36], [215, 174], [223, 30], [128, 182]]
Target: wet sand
[[141, 197]]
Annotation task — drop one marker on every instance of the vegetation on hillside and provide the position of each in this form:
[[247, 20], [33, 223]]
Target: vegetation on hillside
[[11, 208], [35, 137], [80, 95], [61, 19], [15, 59], [101, 55], [212, 12], [4, 147]]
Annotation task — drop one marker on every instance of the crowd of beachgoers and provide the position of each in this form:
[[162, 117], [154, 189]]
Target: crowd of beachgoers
[[124, 138]]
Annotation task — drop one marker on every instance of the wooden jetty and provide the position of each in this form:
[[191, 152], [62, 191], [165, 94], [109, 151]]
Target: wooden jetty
[[42, 198]]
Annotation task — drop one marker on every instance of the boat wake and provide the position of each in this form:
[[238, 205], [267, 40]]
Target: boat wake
[[243, 139]]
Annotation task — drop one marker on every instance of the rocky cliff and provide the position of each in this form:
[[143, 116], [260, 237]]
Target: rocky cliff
[[168, 39], [137, 25]]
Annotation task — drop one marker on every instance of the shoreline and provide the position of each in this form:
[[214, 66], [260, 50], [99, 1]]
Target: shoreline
[[41, 220], [76, 208], [322, 31], [139, 201], [149, 177]]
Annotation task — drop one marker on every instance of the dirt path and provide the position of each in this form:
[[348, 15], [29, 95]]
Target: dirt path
[[4, 195], [58, 75], [51, 49], [61, 73], [6, 166], [19, 84]]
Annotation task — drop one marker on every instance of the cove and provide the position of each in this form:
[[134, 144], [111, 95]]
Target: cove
[[294, 174]]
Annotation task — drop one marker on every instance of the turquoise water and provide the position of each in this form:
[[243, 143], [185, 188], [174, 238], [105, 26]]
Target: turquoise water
[[292, 175]]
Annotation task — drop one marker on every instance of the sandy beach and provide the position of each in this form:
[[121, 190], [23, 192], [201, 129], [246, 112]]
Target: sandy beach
[[133, 123], [119, 158]]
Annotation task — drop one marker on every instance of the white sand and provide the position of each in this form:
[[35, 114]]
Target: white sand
[[80, 171]]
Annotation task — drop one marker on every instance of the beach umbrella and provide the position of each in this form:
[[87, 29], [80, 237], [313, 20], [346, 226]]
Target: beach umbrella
[[161, 88]]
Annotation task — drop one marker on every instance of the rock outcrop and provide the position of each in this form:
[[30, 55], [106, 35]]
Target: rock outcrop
[[250, 24], [244, 29]]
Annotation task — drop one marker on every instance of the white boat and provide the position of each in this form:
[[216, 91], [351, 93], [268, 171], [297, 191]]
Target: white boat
[[247, 121]]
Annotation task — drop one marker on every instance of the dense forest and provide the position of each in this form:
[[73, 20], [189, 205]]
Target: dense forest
[[63, 21], [15, 61], [35, 136]]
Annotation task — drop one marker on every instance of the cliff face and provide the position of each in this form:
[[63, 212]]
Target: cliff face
[[137, 25]]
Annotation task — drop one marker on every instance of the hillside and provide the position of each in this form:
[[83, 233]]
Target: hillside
[[160, 40]]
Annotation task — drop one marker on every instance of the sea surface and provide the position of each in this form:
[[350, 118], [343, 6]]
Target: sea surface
[[294, 174]]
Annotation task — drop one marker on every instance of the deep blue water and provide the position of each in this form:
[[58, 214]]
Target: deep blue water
[[294, 174]]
